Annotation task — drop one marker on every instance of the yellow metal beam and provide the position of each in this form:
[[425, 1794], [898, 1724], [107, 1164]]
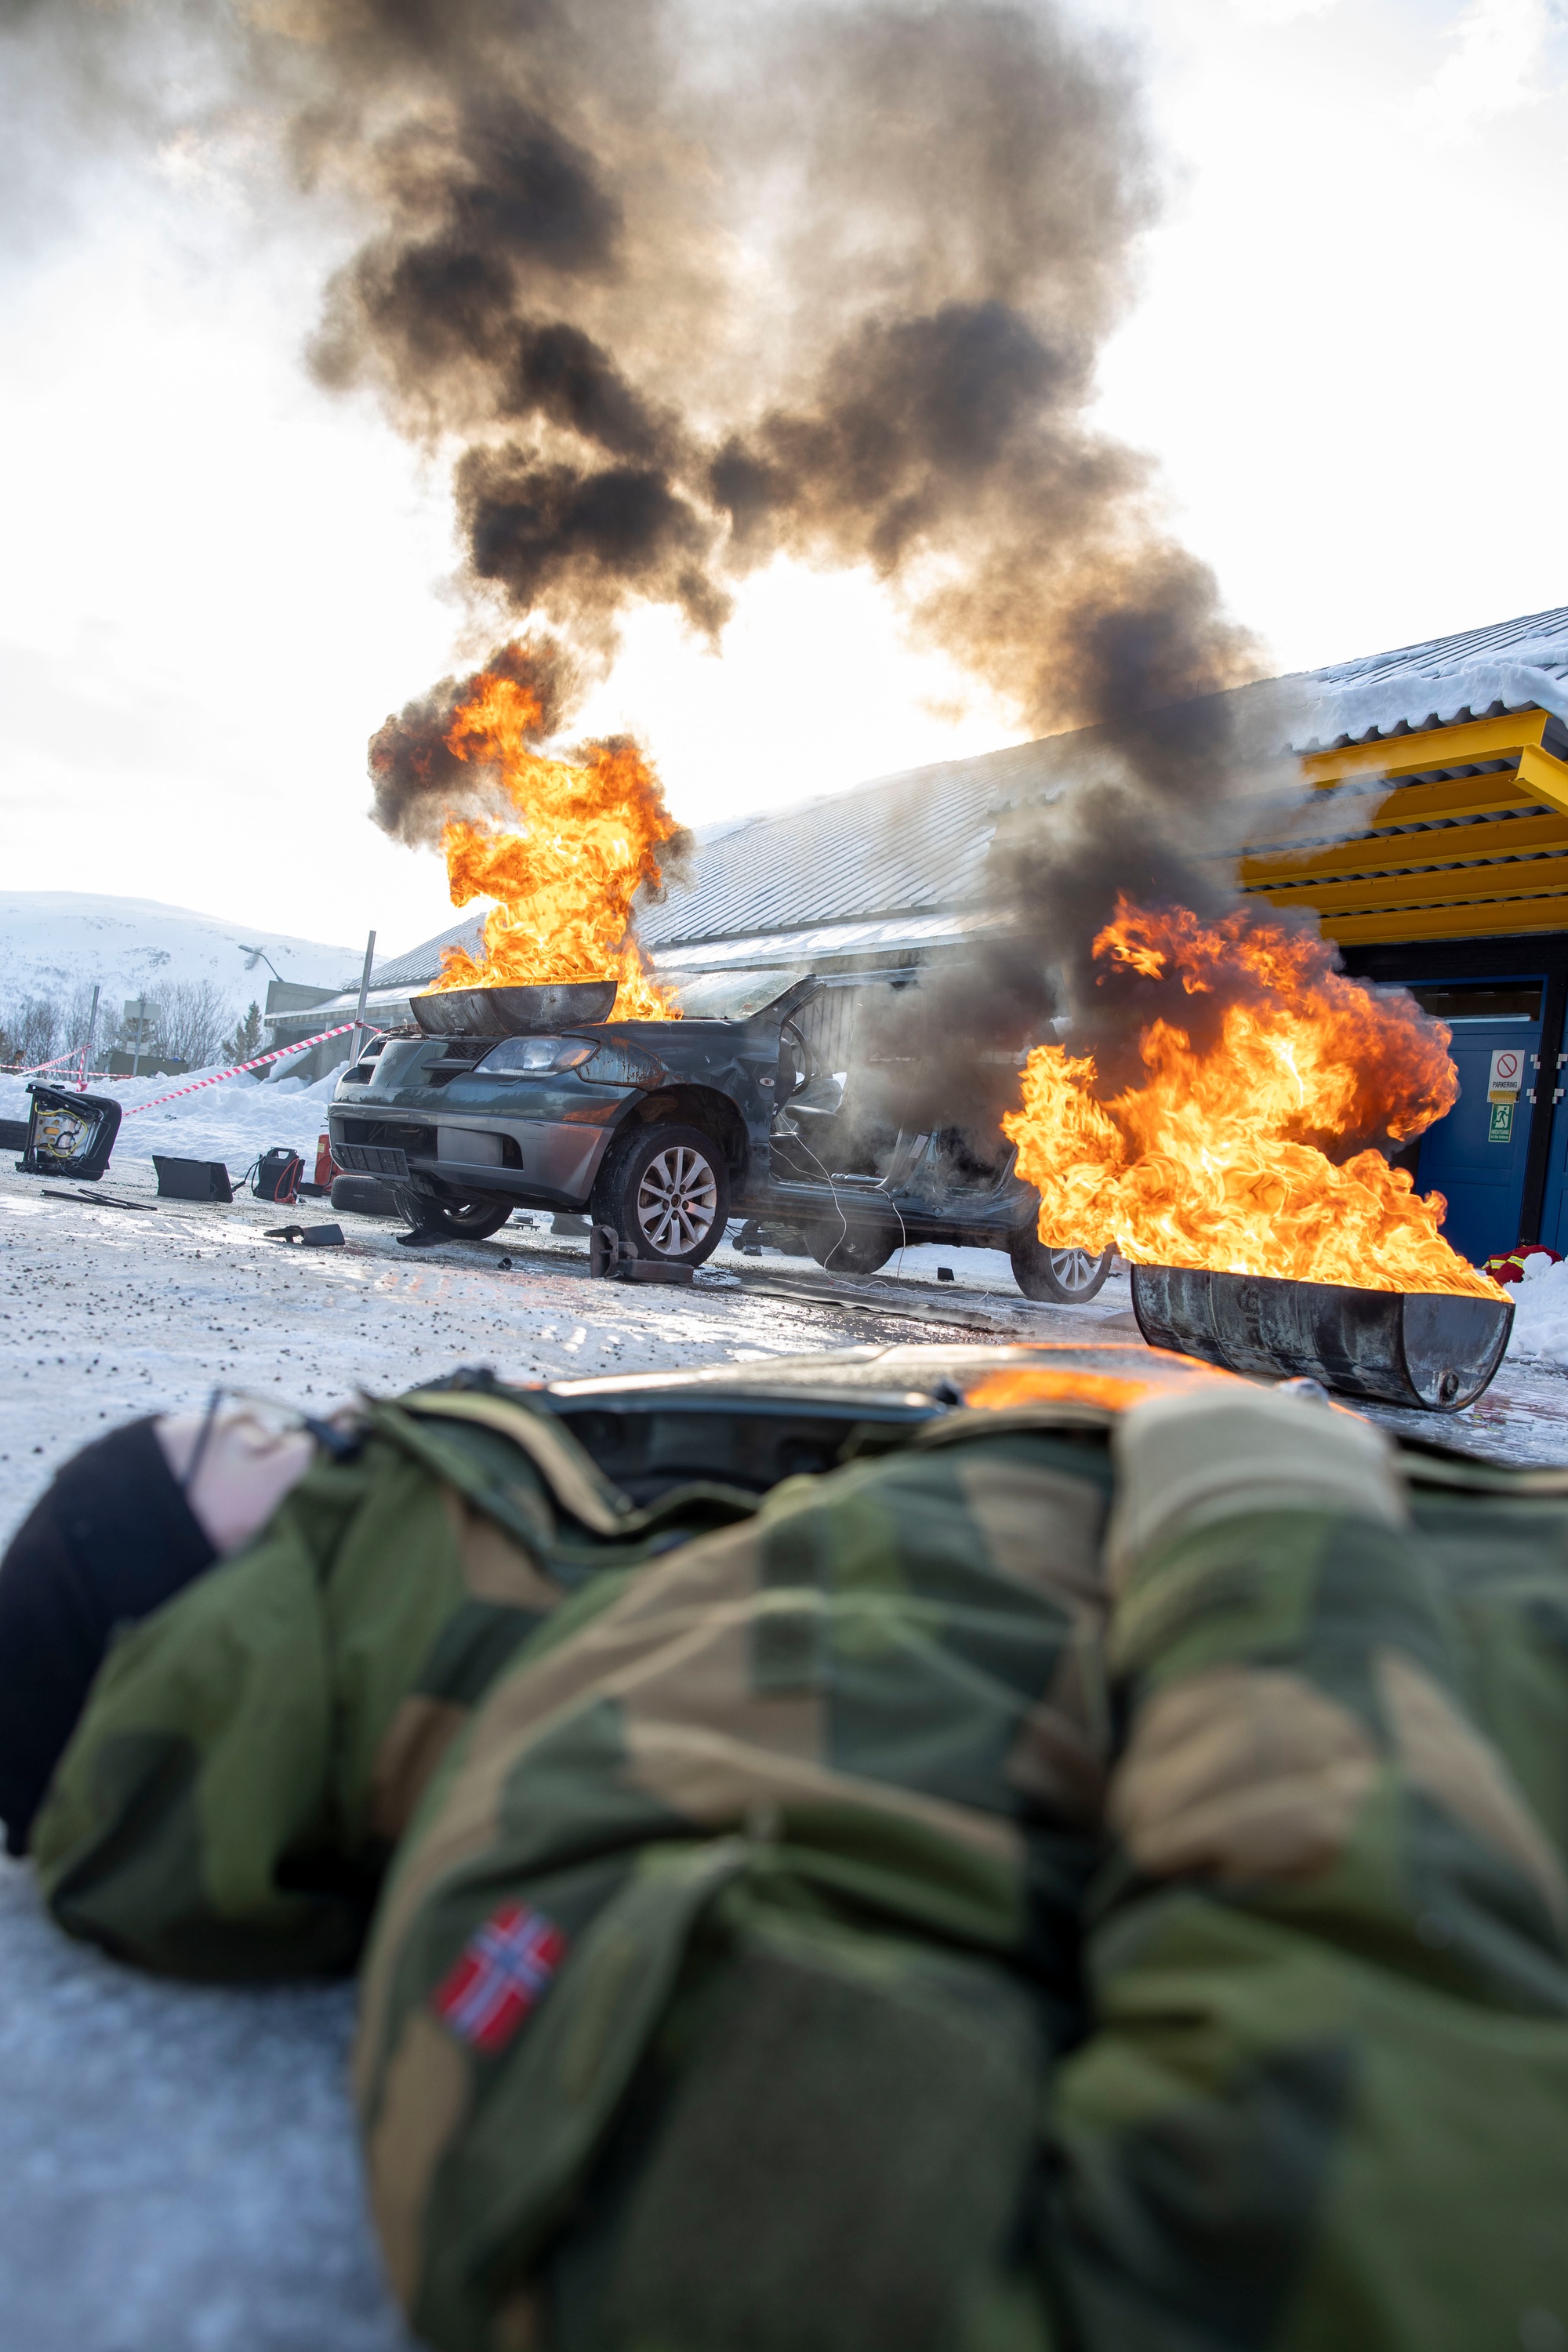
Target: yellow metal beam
[[1491, 922], [1495, 795], [1487, 795], [1543, 777], [1436, 747], [1467, 883], [1397, 853]]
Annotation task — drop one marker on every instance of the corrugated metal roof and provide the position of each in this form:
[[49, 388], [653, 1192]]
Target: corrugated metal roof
[[422, 962], [821, 943], [913, 843]]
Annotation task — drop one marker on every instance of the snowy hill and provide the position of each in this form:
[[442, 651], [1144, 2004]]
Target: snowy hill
[[50, 941]]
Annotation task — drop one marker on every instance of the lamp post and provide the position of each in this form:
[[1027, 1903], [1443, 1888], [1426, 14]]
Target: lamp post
[[253, 956]]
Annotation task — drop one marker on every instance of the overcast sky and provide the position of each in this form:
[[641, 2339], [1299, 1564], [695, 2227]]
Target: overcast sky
[[1349, 357]]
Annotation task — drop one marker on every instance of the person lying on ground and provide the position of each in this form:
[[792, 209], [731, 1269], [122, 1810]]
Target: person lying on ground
[[1038, 1889], [282, 1629]]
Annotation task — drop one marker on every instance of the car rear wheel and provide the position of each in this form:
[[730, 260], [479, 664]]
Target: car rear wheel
[[860, 1250], [472, 1220], [1065, 1276], [667, 1194]]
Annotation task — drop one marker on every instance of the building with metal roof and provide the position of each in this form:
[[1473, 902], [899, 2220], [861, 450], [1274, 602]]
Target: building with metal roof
[[897, 864]]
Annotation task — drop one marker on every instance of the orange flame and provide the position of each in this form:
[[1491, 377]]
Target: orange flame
[[566, 876], [1216, 1160]]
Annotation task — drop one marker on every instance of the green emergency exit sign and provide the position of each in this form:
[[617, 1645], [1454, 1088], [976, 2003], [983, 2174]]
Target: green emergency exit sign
[[1501, 1128]]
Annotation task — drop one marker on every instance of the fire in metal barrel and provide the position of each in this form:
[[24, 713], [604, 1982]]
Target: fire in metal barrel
[[1433, 1351]]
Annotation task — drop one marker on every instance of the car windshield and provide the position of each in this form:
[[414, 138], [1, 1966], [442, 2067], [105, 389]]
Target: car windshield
[[731, 995]]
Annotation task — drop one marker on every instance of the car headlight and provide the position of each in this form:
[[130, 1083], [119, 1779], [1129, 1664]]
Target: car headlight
[[530, 1057], [616, 1064]]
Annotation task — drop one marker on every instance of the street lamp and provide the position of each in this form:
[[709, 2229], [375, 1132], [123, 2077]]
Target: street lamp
[[253, 956]]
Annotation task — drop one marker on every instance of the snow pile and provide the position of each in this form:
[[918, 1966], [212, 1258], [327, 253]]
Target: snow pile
[[1540, 1312], [233, 1121]]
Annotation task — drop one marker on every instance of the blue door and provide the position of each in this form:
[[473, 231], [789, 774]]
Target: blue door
[[1474, 1157]]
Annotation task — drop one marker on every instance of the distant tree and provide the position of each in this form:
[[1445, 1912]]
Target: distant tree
[[244, 1041], [191, 1028], [35, 1030]]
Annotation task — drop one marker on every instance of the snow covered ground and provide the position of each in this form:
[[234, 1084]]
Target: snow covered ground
[[1541, 1313], [179, 2162], [106, 1312]]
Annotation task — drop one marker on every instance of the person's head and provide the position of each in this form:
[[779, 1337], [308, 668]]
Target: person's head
[[124, 1526]]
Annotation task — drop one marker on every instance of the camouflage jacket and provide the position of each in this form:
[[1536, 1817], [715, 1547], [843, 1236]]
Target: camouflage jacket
[[866, 1928], [250, 1754], [901, 1916]]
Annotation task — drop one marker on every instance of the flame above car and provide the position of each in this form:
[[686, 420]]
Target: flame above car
[[579, 837]]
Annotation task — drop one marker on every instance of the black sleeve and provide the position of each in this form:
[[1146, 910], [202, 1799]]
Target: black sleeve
[[109, 1541]]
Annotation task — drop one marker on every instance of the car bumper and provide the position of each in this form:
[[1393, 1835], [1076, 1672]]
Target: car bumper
[[551, 1163]]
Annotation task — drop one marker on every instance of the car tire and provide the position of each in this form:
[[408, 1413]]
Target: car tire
[[473, 1220], [1065, 1277], [667, 1194], [860, 1250]]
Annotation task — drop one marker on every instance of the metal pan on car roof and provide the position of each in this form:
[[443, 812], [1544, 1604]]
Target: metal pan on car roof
[[512, 1012]]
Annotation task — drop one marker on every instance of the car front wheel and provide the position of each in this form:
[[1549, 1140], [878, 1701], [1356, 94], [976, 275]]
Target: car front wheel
[[1065, 1276], [668, 1195]]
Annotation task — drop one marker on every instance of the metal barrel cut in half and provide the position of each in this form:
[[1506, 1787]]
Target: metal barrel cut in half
[[1430, 1349], [525, 1011]]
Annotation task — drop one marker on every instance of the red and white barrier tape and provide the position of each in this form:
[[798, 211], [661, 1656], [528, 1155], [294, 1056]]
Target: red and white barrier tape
[[218, 1077], [38, 1067]]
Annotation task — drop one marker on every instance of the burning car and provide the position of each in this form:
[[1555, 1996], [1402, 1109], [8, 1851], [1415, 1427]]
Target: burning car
[[531, 1098]]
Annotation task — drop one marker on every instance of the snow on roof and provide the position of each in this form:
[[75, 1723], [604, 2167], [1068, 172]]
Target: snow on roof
[[1517, 664]]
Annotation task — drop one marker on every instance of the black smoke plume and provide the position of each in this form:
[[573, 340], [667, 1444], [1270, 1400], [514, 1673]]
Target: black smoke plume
[[678, 288]]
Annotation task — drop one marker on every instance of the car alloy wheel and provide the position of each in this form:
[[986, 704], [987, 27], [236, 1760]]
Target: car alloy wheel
[[1064, 1278], [1077, 1270], [677, 1199]]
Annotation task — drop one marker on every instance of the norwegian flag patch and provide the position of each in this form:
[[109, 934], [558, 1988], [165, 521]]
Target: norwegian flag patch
[[498, 1976]]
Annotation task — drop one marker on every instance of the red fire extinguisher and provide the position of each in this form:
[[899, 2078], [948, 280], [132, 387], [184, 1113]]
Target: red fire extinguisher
[[325, 1171]]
